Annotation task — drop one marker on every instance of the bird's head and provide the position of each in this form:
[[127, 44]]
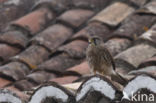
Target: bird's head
[[94, 41]]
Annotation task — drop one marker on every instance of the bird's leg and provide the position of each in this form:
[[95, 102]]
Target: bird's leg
[[94, 72], [102, 73], [105, 75]]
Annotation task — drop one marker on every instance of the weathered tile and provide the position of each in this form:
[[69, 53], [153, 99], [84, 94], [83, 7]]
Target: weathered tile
[[56, 5], [40, 76], [7, 51], [82, 68], [123, 70], [114, 14], [94, 89], [24, 85], [139, 3], [142, 84], [149, 8], [16, 38], [3, 1], [136, 54], [148, 62], [59, 63], [123, 66], [75, 17], [56, 34], [32, 56], [135, 25], [4, 82], [14, 70], [51, 93], [150, 34], [19, 93], [8, 96], [35, 21], [75, 48], [94, 4], [117, 45], [65, 79], [10, 10], [148, 69], [93, 29]]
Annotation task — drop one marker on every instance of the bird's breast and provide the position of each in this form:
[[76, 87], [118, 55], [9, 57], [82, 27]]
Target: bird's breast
[[97, 61], [93, 57]]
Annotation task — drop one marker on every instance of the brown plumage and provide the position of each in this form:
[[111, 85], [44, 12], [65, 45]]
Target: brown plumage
[[100, 59]]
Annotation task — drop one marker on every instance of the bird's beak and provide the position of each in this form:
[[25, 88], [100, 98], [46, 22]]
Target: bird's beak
[[90, 41]]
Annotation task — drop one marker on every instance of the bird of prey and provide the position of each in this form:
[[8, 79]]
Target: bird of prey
[[100, 60]]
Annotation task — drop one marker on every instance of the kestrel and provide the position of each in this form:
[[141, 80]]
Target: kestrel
[[100, 59]]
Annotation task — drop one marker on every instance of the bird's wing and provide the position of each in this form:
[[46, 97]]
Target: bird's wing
[[107, 56]]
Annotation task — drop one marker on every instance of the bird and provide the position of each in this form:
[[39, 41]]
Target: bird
[[100, 60]]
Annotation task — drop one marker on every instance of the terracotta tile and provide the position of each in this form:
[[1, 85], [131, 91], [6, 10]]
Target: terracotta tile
[[19, 93], [75, 49], [35, 21], [148, 8], [14, 38], [120, 12], [11, 10], [14, 70], [150, 34], [7, 51], [2, 1], [93, 29], [123, 71], [117, 45], [135, 25], [136, 54], [75, 17], [149, 69], [65, 79], [4, 82], [121, 65], [19, 3], [59, 63], [24, 85], [148, 62], [56, 34], [139, 3], [40, 76], [95, 4], [56, 5], [32, 56], [82, 68]]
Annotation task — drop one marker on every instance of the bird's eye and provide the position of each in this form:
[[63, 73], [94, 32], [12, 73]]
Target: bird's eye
[[96, 41]]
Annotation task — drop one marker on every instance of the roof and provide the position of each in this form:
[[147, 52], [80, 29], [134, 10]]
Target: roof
[[44, 41]]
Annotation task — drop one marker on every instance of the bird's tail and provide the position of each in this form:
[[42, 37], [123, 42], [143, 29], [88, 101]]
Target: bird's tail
[[118, 78]]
